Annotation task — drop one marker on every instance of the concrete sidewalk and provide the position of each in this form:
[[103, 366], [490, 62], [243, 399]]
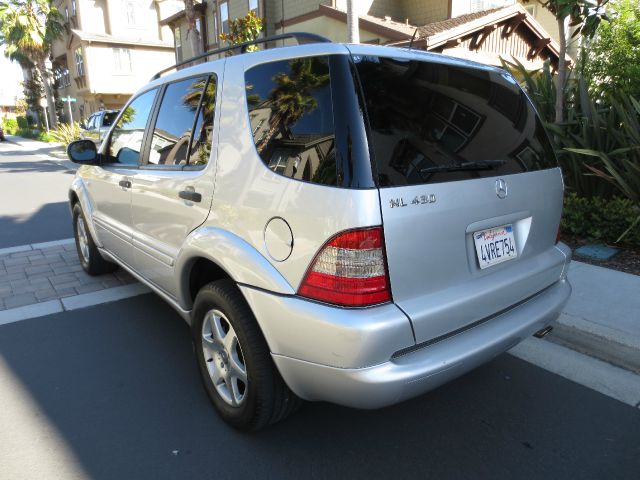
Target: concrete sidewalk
[[602, 317], [36, 273]]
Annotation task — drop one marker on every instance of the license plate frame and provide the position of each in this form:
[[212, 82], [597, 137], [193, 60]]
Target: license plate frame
[[495, 245]]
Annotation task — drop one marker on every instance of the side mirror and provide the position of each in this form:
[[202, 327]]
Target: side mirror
[[83, 125], [83, 152]]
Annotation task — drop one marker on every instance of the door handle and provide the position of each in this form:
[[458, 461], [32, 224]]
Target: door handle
[[190, 195], [125, 183]]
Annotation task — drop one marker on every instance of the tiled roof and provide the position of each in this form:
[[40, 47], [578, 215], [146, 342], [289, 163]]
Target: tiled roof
[[389, 23], [444, 25]]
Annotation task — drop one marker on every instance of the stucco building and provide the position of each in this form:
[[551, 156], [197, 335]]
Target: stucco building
[[109, 49]]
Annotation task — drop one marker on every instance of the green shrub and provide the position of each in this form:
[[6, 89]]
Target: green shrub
[[26, 133], [45, 137], [66, 133], [600, 220], [23, 123], [10, 126]]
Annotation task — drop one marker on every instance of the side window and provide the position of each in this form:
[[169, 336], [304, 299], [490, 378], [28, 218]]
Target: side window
[[126, 139], [291, 117], [91, 122], [203, 133], [175, 123]]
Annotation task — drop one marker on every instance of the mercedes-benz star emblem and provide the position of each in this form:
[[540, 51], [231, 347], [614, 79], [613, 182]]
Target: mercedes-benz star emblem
[[501, 188]]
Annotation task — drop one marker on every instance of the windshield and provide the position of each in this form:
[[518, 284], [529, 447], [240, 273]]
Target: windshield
[[432, 122]]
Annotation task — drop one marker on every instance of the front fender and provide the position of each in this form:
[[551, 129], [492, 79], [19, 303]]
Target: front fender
[[241, 261], [80, 189]]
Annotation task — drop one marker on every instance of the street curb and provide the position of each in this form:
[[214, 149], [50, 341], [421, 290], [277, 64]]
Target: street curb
[[73, 302], [593, 373], [36, 246], [604, 343]]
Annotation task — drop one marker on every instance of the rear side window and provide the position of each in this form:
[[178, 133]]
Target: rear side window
[[203, 133], [109, 118], [175, 122], [291, 118], [431, 122]]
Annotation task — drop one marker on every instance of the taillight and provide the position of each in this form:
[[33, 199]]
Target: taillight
[[349, 270]]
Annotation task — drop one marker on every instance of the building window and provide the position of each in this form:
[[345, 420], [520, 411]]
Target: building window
[[178, 41], [64, 78], [253, 6], [79, 62], [122, 60], [61, 74], [74, 10], [224, 17], [66, 14], [214, 30], [462, 7], [130, 8]]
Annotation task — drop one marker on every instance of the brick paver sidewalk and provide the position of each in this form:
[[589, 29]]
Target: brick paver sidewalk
[[31, 275]]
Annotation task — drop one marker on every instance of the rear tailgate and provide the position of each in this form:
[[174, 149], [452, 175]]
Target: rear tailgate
[[433, 264], [458, 149]]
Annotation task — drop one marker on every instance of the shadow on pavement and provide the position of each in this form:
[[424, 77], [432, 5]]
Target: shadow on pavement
[[33, 166], [119, 382], [51, 222]]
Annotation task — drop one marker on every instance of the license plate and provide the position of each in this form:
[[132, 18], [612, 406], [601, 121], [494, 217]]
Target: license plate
[[495, 245]]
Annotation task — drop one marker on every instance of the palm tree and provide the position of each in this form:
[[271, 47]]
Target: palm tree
[[28, 28], [193, 35], [293, 97]]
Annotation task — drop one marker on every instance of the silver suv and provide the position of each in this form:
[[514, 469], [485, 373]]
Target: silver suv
[[347, 223]]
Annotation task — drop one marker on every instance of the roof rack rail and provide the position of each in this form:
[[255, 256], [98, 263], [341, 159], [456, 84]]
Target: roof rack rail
[[301, 37]]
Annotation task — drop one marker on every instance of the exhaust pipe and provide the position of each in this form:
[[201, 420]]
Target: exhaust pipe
[[543, 332]]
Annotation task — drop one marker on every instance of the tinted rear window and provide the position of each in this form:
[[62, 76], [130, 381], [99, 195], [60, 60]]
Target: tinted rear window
[[109, 118], [431, 122]]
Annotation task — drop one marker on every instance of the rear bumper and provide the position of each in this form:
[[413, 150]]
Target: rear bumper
[[423, 369]]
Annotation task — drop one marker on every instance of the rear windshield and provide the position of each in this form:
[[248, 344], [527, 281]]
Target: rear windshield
[[431, 122], [108, 119]]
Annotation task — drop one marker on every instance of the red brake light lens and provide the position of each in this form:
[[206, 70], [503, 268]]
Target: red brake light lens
[[350, 270]]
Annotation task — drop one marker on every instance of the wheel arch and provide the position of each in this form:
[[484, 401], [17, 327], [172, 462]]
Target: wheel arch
[[210, 254], [78, 195]]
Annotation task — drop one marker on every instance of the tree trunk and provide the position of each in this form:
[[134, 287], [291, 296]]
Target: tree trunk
[[192, 32], [48, 92], [562, 72], [353, 29]]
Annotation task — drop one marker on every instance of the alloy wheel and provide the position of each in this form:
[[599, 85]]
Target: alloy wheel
[[83, 239], [224, 359]]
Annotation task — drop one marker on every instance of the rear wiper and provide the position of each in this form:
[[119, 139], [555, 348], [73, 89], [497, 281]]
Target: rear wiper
[[458, 167]]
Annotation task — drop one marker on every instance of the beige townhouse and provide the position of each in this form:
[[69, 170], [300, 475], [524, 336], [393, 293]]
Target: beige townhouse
[[109, 49]]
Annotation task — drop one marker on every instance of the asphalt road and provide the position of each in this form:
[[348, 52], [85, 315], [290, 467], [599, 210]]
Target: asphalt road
[[33, 197], [119, 386]]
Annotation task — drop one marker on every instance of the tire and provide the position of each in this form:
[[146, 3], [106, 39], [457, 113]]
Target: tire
[[219, 313], [90, 258]]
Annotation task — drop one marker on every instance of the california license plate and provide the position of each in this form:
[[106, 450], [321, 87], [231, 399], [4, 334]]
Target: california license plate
[[495, 245]]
